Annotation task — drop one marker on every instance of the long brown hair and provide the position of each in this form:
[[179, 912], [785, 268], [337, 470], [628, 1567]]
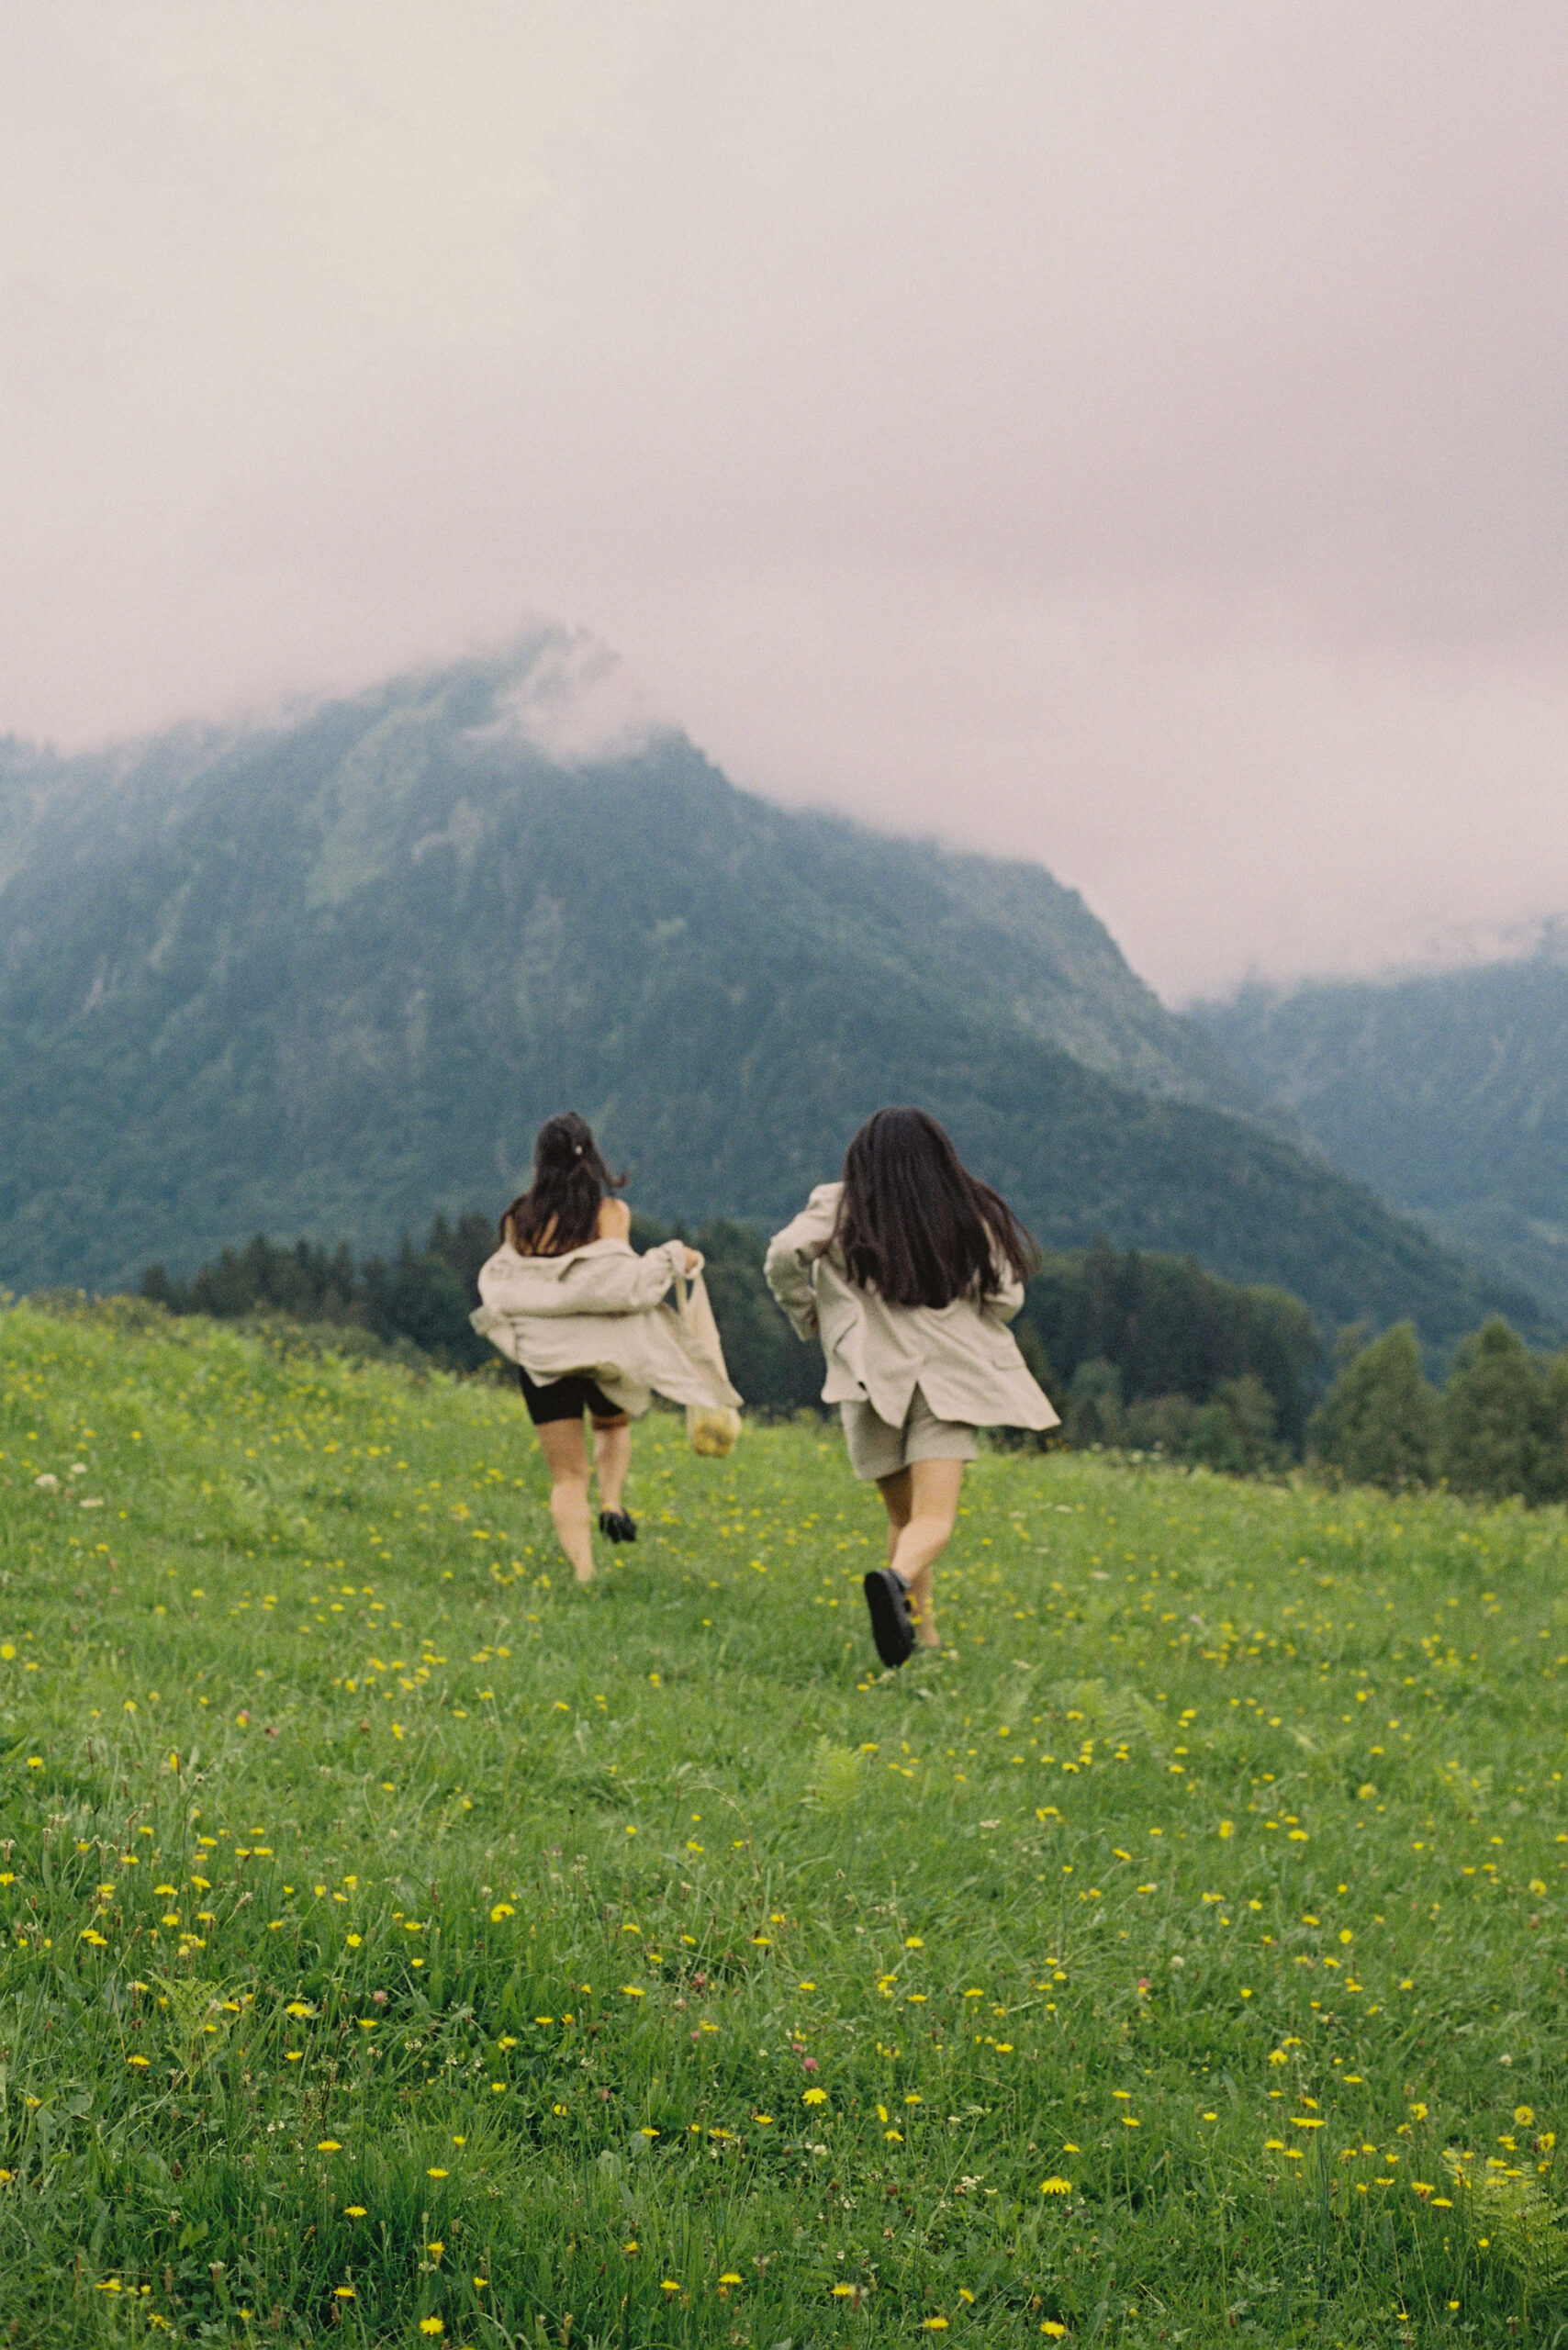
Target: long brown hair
[[914, 1224], [560, 1208]]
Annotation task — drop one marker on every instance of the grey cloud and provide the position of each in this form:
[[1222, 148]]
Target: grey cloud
[[1131, 436]]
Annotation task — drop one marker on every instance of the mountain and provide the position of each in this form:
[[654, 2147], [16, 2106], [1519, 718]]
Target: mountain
[[327, 976], [1447, 1092]]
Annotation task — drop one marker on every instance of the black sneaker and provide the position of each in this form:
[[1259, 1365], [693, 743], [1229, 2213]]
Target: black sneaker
[[618, 1525], [891, 1625]]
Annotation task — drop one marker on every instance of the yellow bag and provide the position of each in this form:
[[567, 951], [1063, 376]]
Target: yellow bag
[[711, 1428]]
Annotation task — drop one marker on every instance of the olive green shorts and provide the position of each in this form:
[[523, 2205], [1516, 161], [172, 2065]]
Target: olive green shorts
[[877, 1451]]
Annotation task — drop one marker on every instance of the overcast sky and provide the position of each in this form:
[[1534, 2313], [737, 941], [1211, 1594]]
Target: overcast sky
[[1133, 436]]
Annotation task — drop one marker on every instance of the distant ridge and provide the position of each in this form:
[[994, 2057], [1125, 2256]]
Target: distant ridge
[[1448, 1090], [327, 976]]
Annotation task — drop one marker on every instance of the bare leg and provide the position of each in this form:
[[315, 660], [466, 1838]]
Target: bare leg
[[565, 1453], [922, 1503], [612, 1459], [895, 1493]]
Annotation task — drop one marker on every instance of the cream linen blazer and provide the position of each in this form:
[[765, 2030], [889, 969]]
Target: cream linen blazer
[[599, 1310], [962, 1356]]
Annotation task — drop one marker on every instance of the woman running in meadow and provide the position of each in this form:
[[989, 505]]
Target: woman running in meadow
[[908, 1271], [568, 1300]]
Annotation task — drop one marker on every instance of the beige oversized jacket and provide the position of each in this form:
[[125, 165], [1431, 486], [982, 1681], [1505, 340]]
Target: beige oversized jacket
[[598, 1309], [961, 1355]]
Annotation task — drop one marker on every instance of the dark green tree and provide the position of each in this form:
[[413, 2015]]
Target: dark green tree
[[1094, 1414], [1170, 1328], [1378, 1424], [1499, 1434], [1238, 1429]]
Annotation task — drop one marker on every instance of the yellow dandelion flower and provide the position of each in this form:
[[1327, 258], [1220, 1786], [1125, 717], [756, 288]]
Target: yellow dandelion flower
[[1055, 2186]]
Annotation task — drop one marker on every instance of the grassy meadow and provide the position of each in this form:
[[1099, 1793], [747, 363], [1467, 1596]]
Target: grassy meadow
[[401, 1946]]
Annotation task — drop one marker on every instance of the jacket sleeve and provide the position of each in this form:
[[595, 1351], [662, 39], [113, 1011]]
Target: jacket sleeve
[[607, 1277], [792, 1252], [613, 1279], [1004, 1305]]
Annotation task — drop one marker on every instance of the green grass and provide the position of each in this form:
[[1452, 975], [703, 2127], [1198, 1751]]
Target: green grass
[[366, 1888]]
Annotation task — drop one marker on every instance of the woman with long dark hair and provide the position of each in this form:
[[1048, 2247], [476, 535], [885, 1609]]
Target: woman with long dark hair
[[568, 1300], [909, 1271]]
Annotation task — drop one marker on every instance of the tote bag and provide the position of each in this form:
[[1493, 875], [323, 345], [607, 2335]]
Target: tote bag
[[710, 1427]]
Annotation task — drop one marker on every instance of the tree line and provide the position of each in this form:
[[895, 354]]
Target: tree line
[[1133, 1347], [1498, 1427], [1138, 1352]]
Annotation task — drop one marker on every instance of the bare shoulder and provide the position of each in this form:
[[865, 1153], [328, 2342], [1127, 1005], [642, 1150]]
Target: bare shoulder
[[614, 1221]]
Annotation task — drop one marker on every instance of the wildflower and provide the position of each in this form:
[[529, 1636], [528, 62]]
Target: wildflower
[[437, 2174], [140, 2062], [814, 2097], [1050, 2326], [933, 2325], [344, 2292], [353, 2210], [1056, 2185], [1227, 1828], [502, 1910], [842, 2293], [328, 2147], [431, 2325], [730, 2277], [1523, 2115], [668, 2284]]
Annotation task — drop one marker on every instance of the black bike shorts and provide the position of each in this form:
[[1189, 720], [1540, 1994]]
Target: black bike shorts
[[566, 1399]]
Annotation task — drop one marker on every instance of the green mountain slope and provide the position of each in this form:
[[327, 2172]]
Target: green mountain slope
[[1448, 1093], [328, 978]]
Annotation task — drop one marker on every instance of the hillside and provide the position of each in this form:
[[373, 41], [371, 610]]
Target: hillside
[[327, 977], [389, 1926], [1448, 1093]]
